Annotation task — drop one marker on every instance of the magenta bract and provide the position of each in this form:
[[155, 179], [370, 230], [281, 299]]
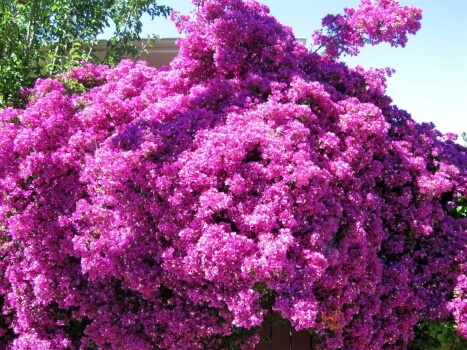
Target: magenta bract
[[162, 207]]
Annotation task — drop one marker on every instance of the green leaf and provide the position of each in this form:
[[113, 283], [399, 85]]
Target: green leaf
[[41, 38]]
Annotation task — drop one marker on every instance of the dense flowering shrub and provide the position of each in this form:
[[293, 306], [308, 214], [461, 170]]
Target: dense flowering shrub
[[373, 22], [172, 208]]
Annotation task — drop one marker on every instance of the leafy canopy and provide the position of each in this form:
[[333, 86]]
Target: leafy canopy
[[40, 38]]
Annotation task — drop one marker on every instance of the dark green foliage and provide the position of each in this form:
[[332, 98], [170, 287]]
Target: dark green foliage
[[438, 335], [461, 207], [40, 38]]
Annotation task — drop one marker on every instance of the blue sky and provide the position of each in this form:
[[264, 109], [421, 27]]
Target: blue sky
[[431, 71]]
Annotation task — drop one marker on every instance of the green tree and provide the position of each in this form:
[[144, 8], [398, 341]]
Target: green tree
[[39, 38]]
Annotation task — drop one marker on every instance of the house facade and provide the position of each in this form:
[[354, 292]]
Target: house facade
[[156, 52]]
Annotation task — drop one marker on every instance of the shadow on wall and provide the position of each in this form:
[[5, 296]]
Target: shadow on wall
[[157, 52]]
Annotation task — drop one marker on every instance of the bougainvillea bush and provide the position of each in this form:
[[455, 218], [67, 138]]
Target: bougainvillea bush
[[175, 208]]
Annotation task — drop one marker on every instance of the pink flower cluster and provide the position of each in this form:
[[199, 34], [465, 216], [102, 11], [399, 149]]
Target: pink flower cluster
[[373, 22], [170, 208]]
